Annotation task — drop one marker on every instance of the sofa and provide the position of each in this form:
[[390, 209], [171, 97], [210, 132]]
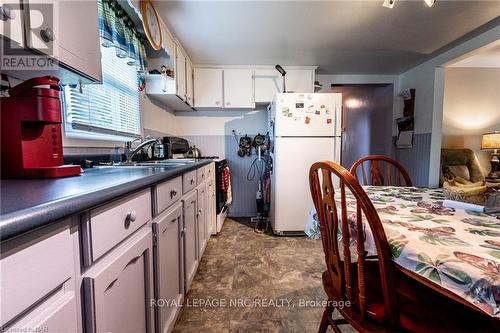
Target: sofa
[[459, 163]]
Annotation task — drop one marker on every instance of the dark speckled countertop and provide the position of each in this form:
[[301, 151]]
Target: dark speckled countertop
[[27, 204]]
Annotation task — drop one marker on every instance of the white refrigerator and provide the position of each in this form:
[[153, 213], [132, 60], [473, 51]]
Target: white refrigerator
[[305, 128]]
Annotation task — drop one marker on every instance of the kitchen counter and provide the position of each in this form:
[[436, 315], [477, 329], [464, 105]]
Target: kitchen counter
[[27, 204]]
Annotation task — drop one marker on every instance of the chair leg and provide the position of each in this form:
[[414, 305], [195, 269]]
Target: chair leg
[[327, 314]]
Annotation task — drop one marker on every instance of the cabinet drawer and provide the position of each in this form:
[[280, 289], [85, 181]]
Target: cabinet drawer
[[188, 181], [168, 193], [30, 273], [112, 223], [202, 174]]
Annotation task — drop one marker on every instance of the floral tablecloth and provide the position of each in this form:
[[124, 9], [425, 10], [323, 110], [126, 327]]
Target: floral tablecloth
[[457, 249]]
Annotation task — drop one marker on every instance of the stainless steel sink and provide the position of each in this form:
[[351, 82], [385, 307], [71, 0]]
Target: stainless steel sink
[[168, 162], [154, 164]]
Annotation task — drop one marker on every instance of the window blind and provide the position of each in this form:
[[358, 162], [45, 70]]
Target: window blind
[[109, 108]]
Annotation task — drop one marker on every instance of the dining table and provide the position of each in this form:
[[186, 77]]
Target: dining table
[[454, 251]]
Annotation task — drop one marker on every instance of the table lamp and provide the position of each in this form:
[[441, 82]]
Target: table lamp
[[491, 141]]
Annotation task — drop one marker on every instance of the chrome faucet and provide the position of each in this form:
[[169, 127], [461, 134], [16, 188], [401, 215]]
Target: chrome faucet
[[129, 152]]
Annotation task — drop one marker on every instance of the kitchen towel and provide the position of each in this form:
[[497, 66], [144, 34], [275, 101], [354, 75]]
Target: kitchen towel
[[225, 184]]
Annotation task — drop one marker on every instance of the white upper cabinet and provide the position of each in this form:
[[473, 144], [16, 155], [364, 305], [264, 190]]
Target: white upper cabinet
[[208, 90], [238, 88], [268, 82], [189, 83], [180, 73], [79, 45], [299, 80], [66, 31], [12, 22]]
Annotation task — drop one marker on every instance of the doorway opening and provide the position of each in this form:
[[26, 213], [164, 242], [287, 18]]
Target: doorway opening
[[367, 120], [470, 107]]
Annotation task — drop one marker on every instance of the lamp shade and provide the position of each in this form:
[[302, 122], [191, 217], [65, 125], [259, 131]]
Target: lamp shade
[[491, 141]]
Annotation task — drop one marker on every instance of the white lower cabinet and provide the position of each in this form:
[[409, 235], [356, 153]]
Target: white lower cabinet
[[57, 316], [202, 218], [210, 211], [134, 272], [118, 290], [191, 258], [37, 284], [169, 267]]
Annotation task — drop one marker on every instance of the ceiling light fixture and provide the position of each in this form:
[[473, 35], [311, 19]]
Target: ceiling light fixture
[[389, 3]]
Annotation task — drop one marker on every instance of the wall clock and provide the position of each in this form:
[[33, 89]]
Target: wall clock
[[151, 23]]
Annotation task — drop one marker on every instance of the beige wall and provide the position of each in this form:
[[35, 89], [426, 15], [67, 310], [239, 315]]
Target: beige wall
[[471, 108]]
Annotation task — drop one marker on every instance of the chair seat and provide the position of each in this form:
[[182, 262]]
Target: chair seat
[[421, 309]]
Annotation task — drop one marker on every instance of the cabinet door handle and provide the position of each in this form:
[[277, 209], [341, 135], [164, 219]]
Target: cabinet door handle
[[192, 181], [47, 35], [173, 220], [6, 13], [173, 193], [202, 175]]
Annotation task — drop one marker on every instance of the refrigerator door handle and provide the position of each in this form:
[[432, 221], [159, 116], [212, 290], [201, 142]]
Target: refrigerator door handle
[[342, 119]]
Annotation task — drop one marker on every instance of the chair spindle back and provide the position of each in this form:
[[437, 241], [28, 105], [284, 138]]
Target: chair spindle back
[[348, 277], [383, 171]]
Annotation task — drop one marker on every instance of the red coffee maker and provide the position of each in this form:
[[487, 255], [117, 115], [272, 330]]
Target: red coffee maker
[[31, 131]]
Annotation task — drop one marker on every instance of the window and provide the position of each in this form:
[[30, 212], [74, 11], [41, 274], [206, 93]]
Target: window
[[108, 111]]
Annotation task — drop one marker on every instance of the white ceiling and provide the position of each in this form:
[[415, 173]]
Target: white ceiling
[[488, 57], [342, 37]]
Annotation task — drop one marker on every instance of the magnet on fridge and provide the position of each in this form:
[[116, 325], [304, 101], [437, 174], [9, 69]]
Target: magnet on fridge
[[317, 112], [327, 111], [308, 120], [299, 105], [323, 106], [329, 121], [290, 115]]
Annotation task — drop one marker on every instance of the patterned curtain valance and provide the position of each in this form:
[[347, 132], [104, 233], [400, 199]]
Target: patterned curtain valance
[[118, 30]]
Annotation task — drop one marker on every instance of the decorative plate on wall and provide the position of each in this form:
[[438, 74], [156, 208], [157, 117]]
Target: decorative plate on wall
[[151, 23]]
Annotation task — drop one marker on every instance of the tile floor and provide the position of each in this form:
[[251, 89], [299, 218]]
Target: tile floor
[[241, 265]]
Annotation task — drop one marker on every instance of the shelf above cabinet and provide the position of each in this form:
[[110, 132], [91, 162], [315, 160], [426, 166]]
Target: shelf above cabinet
[[162, 89]]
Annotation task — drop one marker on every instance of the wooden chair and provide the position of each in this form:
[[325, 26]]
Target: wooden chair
[[369, 291], [383, 170]]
